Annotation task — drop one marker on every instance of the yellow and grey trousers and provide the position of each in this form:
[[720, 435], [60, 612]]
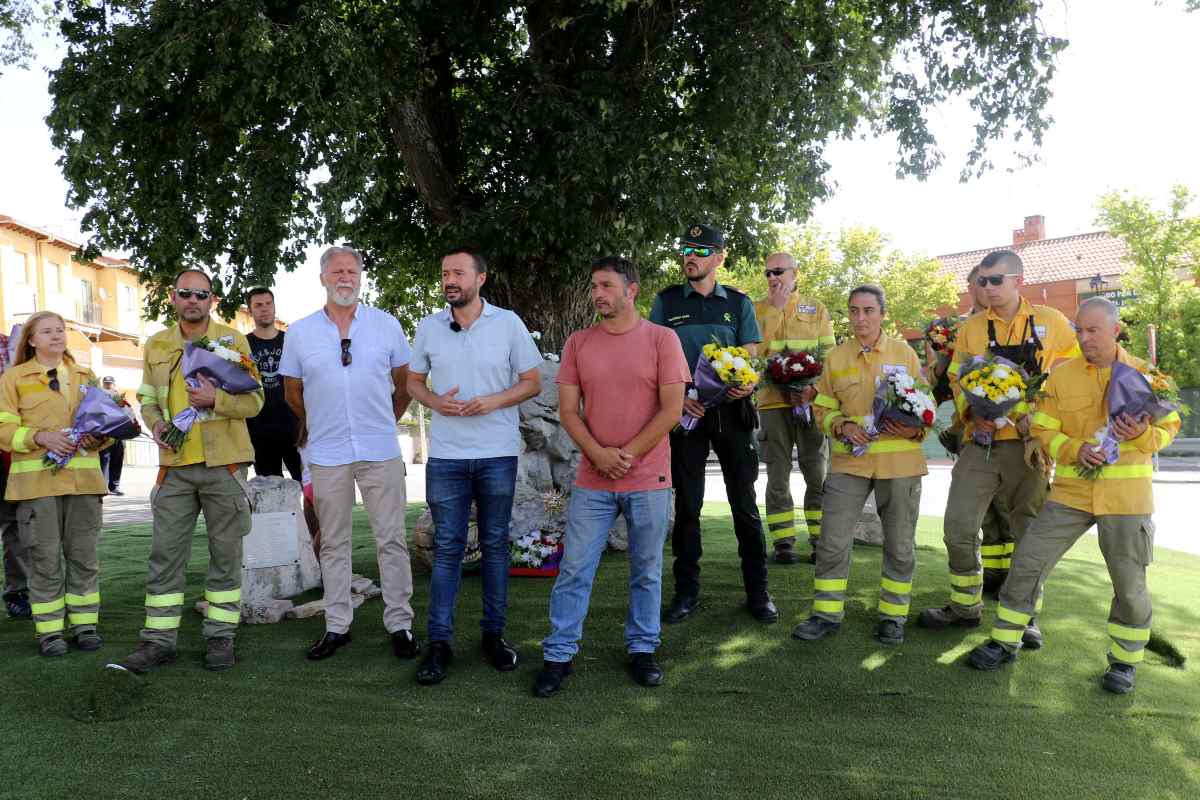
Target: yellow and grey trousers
[[980, 478], [782, 434], [998, 542], [181, 494], [898, 501], [1127, 543], [64, 582]]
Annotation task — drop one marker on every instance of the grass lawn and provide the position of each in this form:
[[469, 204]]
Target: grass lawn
[[745, 712]]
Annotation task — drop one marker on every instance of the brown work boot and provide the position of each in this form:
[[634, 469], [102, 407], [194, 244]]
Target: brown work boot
[[945, 617], [148, 656], [219, 655]]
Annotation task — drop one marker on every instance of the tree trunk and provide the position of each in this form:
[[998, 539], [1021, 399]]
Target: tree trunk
[[544, 304]]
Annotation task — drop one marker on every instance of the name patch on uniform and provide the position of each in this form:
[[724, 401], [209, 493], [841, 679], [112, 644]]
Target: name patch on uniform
[[1040, 330], [806, 309], [895, 369], [679, 318]]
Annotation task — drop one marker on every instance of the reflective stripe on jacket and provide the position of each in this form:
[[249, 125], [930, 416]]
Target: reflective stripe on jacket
[[29, 406], [226, 440], [1069, 414]]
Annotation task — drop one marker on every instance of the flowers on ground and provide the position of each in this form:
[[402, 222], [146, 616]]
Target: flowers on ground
[[536, 553]]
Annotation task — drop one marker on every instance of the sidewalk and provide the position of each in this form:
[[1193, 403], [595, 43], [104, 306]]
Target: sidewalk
[[1173, 487]]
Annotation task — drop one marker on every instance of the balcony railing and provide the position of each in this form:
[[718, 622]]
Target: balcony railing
[[88, 312]]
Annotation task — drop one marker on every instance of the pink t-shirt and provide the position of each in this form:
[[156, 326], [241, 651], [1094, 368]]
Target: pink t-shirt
[[619, 376]]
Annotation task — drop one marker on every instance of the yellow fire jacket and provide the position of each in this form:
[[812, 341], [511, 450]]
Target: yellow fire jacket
[[802, 324], [1053, 330], [845, 393], [29, 406], [1071, 412], [226, 440]]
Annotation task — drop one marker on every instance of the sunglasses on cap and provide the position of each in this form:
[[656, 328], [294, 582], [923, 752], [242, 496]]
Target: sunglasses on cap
[[188, 294], [774, 273], [703, 252]]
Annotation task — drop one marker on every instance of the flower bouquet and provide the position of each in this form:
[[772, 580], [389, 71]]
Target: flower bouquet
[[98, 416], [233, 372], [992, 387], [794, 371], [718, 370], [900, 398], [1150, 394], [940, 335], [537, 554]]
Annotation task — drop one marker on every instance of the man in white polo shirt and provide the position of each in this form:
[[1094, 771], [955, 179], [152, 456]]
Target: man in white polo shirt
[[345, 369], [481, 362]]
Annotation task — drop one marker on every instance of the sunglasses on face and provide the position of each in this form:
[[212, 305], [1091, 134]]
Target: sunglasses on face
[[703, 252], [188, 294], [774, 273], [994, 280], [53, 375], [346, 357]]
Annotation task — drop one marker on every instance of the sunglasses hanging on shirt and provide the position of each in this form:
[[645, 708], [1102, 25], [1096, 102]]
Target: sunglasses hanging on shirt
[[346, 357], [52, 374]]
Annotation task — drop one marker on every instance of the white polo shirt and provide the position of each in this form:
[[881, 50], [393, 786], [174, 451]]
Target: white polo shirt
[[348, 409], [485, 358]]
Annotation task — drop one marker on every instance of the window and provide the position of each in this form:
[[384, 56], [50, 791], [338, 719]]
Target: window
[[88, 311], [128, 299], [52, 273]]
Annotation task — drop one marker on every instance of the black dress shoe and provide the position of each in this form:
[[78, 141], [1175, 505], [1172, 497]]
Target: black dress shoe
[[550, 679], [328, 645], [682, 606], [404, 645], [645, 669], [762, 608], [500, 654], [437, 660]]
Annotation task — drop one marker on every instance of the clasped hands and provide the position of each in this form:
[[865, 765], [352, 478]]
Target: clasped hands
[[856, 434], [448, 406]]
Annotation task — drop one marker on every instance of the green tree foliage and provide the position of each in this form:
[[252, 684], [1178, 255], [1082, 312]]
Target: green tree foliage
[[1164, 246], [828, 267], [17, 17], [546, 131]]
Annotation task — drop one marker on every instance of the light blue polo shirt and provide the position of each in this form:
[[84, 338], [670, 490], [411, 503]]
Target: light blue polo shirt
[[348, 408], [483, 359]]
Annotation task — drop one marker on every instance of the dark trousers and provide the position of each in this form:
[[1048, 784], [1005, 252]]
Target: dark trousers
[[722, 430], [112, 461], [272, 450]]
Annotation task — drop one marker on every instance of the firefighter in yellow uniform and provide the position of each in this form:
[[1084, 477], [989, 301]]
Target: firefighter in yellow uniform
[[1036, 338], [59, 513], [207, 473], [790, 322], [892, 467], [1118, 502]]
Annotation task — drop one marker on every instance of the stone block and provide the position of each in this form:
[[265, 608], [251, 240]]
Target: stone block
[[262, 586]]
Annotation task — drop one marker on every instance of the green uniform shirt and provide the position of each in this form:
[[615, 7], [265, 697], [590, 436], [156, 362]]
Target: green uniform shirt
[[726, 315]]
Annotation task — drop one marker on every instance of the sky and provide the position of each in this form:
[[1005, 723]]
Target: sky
[[1125, 119]]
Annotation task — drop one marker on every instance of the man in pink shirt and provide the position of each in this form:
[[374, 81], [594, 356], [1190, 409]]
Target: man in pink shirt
[[631, 375]]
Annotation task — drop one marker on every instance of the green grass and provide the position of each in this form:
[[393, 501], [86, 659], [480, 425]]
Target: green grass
[[745, 711]]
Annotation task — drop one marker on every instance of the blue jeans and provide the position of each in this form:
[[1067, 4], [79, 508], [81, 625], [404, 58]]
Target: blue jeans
[[589, 518], [450, 486]]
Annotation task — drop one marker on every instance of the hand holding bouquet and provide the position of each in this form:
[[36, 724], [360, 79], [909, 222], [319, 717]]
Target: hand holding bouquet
[[220, 364], [940, 335], [1133, 397], [900, 400], [98, 417], [718, 370], [992, 387], [793, 372]]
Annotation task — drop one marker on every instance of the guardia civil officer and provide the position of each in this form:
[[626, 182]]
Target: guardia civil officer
[[700, 310]]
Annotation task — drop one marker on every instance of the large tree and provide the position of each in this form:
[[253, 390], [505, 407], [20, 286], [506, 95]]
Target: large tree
[[1164, 247], [235, 132]]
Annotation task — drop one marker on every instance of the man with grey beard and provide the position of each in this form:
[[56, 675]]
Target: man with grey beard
[[345, 370]]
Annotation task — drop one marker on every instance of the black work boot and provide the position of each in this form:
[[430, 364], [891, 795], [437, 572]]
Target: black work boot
[[990, 656], [1119, 678], [550, 678], [815, 628]]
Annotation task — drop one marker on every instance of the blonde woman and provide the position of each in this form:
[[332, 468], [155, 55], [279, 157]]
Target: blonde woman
[[59, 513]]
